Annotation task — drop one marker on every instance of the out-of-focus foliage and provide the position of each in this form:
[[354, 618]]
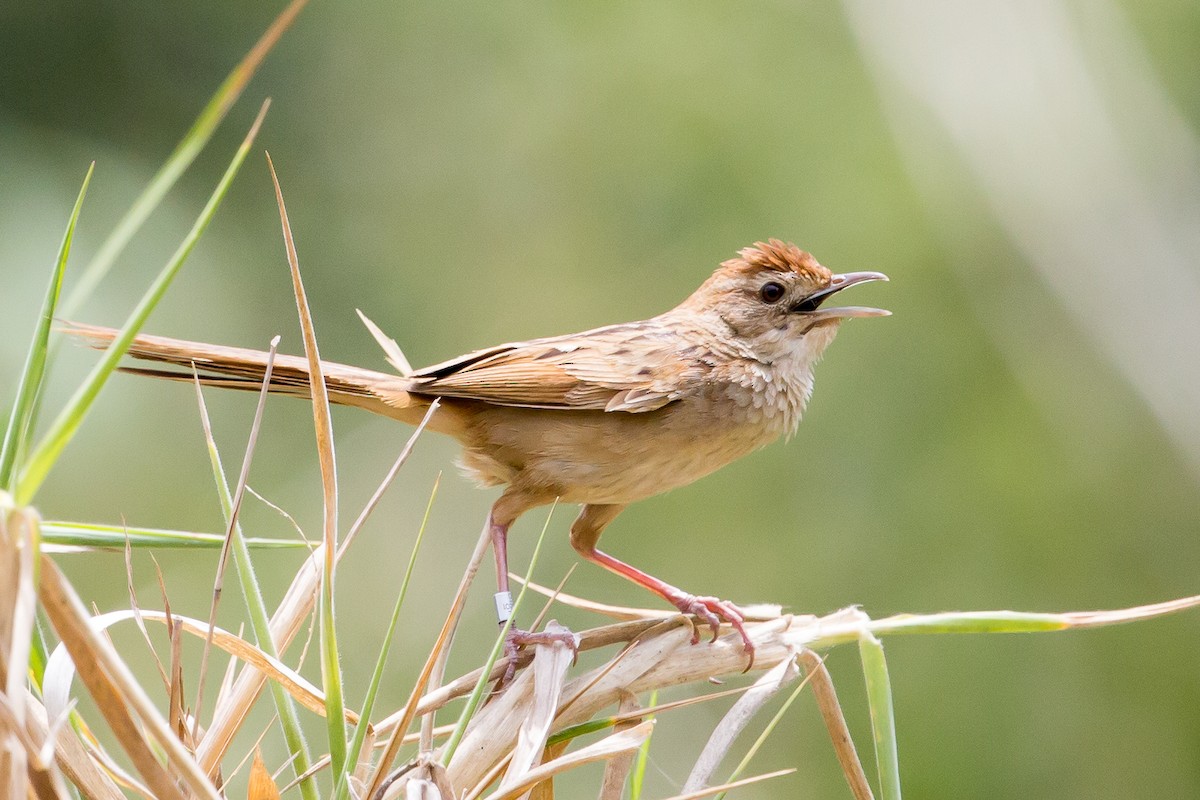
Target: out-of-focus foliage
[[467, 173]]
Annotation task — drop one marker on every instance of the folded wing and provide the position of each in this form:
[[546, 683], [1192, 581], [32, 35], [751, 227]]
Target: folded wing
[[633, 367]]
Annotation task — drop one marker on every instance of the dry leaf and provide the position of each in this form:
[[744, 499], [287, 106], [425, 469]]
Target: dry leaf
[[261, 786]]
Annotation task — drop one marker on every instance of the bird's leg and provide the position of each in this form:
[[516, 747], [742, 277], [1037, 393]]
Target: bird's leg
[[585, 532], [499, 520]]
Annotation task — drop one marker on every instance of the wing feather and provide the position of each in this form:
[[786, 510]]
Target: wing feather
[[635, 367]]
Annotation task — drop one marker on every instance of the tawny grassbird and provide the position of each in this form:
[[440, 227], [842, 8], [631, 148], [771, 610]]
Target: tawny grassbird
[[605, 417]]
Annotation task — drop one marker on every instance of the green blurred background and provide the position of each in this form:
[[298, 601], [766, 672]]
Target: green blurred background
[[1023, 433]]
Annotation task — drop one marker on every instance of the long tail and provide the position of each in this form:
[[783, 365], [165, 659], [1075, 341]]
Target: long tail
[[241, 368]]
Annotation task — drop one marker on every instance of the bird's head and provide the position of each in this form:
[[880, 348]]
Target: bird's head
[[771, 297]]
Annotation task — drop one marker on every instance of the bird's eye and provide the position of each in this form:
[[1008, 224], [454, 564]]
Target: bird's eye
[[771, 292]]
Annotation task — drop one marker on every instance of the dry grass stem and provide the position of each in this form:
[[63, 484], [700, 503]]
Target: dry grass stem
[[117, 694], [231, 525], [60, 670], [835, 723], [509, 747], [625, 741], [550, 663], [616, 771], [725, 787], [736, 719], [434, 662]]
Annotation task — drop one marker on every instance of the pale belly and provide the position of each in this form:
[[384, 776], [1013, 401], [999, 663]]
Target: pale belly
[[609, 457]]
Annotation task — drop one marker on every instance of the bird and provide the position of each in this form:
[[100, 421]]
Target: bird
[[602, 418]]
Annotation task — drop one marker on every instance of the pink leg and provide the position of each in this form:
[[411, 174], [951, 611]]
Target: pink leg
[[585, 532], [503, 514]]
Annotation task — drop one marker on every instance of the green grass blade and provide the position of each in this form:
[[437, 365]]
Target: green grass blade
[[63, 428], [638, 777], [641, 714], [190, 146], [360, 732], [883, 719], [476, 696], [260, 618], [331, 667], [970, 622], [20, 421], [850, 627], [114, 537], [39, 654], [331, 680], [761, 739]]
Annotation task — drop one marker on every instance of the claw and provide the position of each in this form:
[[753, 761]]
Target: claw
[[518, 638], [713, 611]]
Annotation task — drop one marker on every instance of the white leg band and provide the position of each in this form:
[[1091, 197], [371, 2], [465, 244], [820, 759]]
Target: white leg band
[[504, 606]]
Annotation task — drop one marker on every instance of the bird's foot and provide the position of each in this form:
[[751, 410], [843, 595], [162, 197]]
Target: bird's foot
[[518, 638], [713, 611]]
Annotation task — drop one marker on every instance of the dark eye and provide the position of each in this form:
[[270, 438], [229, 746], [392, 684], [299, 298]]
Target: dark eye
[[771, 292]]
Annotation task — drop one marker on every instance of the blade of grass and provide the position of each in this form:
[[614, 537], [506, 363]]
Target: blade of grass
[[649, 712], [135, 607], [331, 670], [185, 153], [721, 740], [401, 460], [68, 421], [18, 609], [766, 732], [725, 787], [20, 420], [256, 609], [476, 695], [848, 624], [383, 776], [113, 537], [61, 672], [835, 724], [616, 771], [118, 694], [261, 785], [883, 719], [342, 782], [612, 745], [549, 671], [231, 522], [638, 778], [27, 768], [70, 755], [360, 733], [39, 652]]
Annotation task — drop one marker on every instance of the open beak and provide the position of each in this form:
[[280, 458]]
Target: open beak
[[810, 306]]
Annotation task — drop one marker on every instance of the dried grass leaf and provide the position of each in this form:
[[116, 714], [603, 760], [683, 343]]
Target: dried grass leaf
[[117, 693], [18, 601], [431, 671], [261, 786], [69, 753], [550, 663], [230, 714], [59, 666], [835, 722], [616, 771], [610, 746], [736, 719], [725, 787]]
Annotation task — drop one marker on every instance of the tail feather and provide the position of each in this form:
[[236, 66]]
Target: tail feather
[[243, 368]]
